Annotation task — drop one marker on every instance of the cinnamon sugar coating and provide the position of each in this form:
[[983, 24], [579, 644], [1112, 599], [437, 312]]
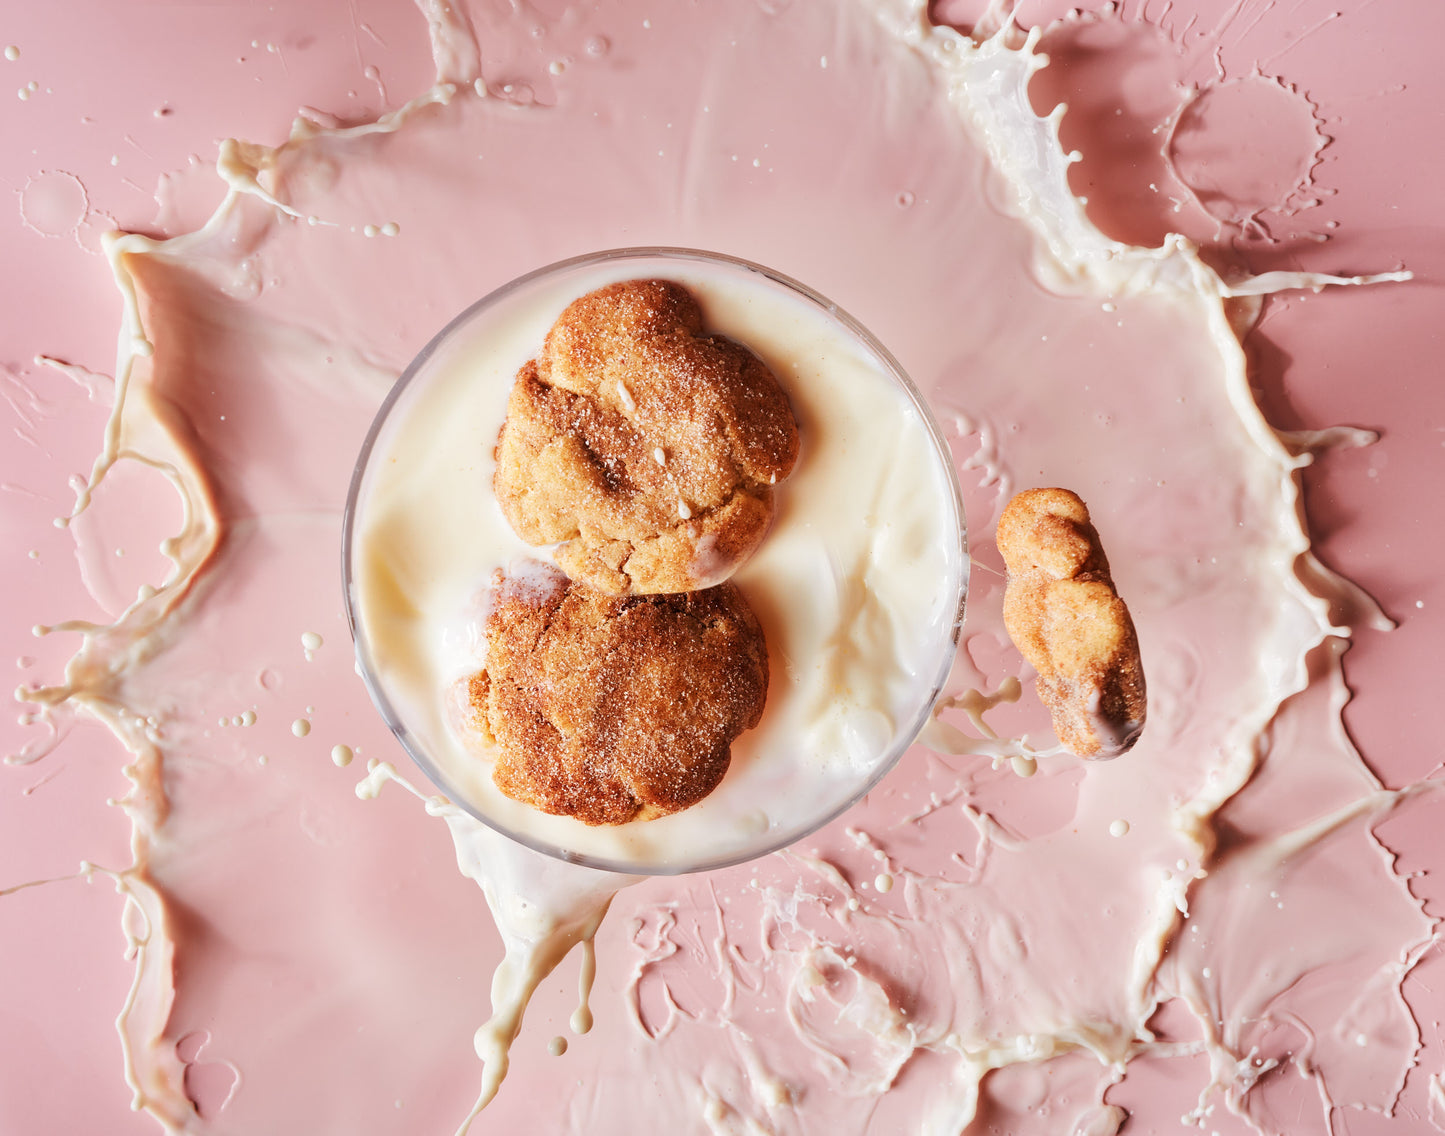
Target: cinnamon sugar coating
[[1062, 612], [615, 708], [646, 447]]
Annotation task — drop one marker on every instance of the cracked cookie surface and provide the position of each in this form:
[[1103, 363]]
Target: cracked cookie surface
[[648, 448], [1065, 617], [614, 708]]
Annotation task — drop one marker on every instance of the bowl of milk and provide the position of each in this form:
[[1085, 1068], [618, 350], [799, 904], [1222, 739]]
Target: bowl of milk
[[859, 586]]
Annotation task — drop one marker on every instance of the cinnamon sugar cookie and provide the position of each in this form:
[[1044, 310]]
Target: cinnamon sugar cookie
[[646, 447], [614, 708], [1062, 612]]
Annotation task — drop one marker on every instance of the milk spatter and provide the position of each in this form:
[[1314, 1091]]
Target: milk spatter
[[1047, 871]]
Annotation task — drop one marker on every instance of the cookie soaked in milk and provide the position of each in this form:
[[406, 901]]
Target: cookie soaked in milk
[[858, 586]]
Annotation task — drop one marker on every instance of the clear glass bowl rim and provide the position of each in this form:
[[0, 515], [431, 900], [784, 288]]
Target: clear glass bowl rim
[[413, 746]]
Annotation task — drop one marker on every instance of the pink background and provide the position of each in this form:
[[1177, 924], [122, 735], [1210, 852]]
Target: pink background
[[126, 94]]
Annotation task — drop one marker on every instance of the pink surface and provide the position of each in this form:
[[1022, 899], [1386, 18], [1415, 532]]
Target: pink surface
[[328, 953]]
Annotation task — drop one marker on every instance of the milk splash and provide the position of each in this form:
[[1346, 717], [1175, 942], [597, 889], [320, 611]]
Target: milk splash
[[993, 950], [543, 909]]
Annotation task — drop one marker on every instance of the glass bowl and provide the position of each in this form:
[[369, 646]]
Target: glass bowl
[[859, 585]]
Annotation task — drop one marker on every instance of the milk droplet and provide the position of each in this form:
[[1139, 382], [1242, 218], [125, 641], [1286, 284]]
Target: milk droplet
[[12, 53], [597, 47], [1119, 828], [341, 755], [301, 727], [557, 1046], [884, 883]]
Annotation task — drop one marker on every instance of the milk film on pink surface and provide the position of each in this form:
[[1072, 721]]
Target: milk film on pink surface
[[1177, 258]]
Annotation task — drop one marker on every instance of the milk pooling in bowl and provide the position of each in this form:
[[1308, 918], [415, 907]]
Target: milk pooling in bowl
[[858, 586]]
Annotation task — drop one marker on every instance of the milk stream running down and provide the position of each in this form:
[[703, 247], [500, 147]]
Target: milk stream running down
[[966, 945], [858, 585]]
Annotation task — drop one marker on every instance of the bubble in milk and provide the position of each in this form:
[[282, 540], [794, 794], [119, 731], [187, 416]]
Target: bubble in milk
[[518, 94]]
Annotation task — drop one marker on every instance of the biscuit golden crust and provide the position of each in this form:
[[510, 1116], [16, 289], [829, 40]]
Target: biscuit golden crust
[[1063, 614], [646, 447], [615, 708]]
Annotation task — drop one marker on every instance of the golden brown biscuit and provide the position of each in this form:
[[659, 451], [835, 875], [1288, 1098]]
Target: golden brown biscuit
[[1062, 612], [615, 708], [648, 448]]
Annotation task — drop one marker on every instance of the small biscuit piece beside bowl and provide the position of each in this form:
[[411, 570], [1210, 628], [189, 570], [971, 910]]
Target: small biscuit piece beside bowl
[[1065, 617]]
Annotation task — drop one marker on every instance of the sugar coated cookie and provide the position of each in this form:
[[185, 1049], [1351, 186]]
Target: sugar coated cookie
[[646, 447], [614, 708]]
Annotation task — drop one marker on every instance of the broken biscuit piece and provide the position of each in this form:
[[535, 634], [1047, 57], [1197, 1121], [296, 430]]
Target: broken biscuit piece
[[648, 448], [614, 708], [1063, 614]]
